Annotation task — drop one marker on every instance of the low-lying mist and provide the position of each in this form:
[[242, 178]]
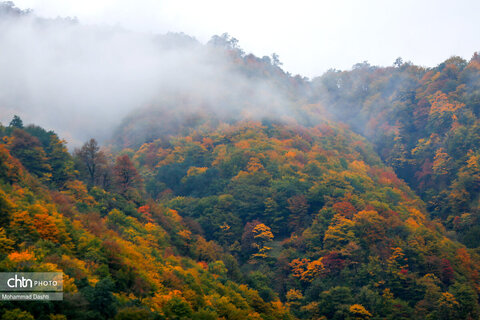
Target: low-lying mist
[[81, 80]]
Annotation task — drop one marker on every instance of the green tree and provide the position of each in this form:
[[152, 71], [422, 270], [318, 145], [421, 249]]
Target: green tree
[[16, 122], [102, 299], [177, 309], [60, 161], [17, 314], [29, 151]]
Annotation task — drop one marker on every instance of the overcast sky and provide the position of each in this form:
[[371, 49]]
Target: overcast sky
[[309, 36]]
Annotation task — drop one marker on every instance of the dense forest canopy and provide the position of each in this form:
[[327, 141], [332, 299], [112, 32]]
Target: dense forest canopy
[[258, 195], [424, 124]]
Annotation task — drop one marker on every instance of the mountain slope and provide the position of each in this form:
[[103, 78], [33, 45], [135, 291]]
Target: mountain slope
[[313, 214], [120, 258], [237, 191], [424, 123]]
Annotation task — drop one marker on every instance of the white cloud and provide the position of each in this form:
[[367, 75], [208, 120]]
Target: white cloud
[[309, 36]]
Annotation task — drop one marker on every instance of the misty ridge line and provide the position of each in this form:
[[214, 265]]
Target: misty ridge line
[[82, 81]]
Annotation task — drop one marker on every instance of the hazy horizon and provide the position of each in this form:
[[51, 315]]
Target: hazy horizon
[[81, 79], [310, 37]]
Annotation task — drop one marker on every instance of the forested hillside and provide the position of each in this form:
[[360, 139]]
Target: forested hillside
[[313, 215], [257, 213], [124, 256], [424, 123], [240, 191]]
